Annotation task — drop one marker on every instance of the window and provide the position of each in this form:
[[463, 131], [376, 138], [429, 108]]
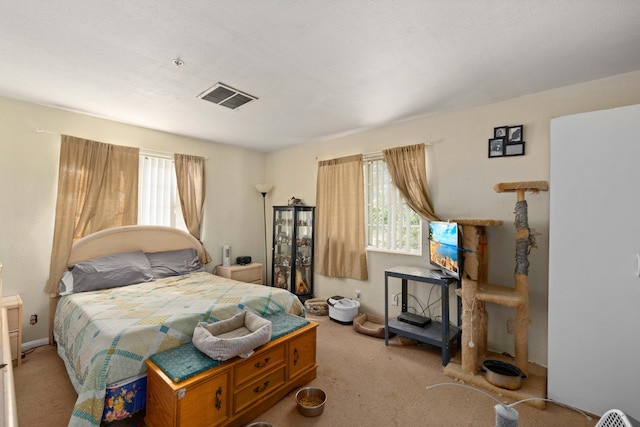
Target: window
[[158, 202], [391, 224]]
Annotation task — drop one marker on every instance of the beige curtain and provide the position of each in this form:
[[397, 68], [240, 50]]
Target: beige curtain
[[408, 170], [97, 189], [191, 189], [340, 229]]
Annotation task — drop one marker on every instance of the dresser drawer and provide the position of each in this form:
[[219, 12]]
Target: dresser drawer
[[13, 320], [13, 339], [261, 387], [259, 364], [302, 353], [13, 304], [205, 404], [200, 401], [250, 273]]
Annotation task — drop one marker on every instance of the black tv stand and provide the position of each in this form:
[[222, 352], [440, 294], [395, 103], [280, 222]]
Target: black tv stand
[[438, 333]]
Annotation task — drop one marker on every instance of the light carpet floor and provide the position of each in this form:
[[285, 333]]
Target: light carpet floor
[[367, 383]]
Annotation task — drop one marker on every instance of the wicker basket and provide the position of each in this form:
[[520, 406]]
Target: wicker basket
[[317, 306]]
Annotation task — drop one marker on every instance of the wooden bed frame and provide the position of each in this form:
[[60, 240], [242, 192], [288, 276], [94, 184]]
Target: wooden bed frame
[[147, 238]]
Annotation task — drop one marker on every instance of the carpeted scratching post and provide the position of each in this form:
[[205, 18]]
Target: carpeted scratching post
[[475, 270], [524, 243], [475, 291]]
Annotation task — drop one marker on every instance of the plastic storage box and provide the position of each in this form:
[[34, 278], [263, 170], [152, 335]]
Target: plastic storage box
[[124, 398]]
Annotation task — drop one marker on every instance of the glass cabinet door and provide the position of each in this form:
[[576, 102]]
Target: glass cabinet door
[[282, 249], [304, 252]]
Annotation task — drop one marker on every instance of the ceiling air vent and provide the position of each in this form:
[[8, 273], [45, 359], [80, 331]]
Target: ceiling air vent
[[226, 96]]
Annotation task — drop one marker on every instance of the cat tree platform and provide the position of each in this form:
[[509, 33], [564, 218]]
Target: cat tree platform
[[534, 386]]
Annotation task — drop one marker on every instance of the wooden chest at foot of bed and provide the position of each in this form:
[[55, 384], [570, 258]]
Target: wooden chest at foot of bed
[[236, 391]]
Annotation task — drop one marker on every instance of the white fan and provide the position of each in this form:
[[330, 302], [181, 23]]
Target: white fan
[[614, 418]]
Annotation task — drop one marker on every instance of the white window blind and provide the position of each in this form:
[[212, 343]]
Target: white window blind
[[391, 224], [158, 202]]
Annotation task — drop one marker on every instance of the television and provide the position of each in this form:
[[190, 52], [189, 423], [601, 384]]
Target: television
[[445, 249]]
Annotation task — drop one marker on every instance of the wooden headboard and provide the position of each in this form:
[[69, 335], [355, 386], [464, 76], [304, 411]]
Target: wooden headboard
[[147, 238]]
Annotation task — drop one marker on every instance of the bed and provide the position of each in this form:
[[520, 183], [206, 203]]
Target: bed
[[105, 336]]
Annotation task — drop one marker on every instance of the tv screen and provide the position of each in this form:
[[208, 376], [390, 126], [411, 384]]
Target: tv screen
[[444, 247]]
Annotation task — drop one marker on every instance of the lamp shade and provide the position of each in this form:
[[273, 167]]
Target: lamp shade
[[264, 188]]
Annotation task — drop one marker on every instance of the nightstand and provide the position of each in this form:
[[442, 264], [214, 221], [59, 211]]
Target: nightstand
[[13, 305], [250, 273]]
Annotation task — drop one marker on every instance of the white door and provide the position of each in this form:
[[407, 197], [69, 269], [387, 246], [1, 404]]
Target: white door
[[594, 256]]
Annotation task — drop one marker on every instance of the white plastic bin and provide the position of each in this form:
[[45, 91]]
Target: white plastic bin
[[343, 310]]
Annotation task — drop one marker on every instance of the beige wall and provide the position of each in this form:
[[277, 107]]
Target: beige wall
[[28, 184], [461, 178]]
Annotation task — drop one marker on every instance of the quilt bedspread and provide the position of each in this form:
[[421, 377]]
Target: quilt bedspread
[[105, 336]]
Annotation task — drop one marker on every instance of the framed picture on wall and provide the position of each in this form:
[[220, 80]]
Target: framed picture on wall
[[516, 149], [515, 134], [496, 147], [500, 132]]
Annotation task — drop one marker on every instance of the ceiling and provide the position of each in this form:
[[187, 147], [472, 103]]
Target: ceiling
[[319, 68]]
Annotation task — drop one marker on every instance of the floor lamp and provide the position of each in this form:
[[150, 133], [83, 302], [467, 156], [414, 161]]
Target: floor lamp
[[264, 189]]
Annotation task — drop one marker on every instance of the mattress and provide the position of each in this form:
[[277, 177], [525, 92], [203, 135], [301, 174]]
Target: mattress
[[105, 336]]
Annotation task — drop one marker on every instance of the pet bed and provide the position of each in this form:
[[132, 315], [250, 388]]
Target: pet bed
[[238, 335], [369, 324]]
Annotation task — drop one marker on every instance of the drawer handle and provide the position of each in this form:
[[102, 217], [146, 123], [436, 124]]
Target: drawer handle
[[262, 388], [259, 365], [296, 356], [218, 400]]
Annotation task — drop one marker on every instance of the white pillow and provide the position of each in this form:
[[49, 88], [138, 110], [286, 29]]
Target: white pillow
[[66, 283]]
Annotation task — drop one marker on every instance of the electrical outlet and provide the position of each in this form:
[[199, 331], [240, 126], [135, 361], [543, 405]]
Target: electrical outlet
[[358, 294], [395, 300], [34, 319]]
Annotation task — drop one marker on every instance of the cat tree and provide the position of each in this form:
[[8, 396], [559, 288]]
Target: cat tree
[[476, 292]]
